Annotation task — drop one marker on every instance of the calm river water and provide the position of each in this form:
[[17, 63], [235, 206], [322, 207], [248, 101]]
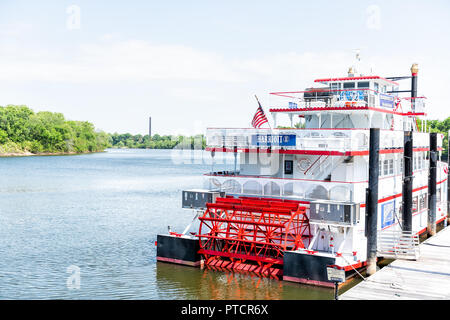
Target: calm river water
[[84, 227]]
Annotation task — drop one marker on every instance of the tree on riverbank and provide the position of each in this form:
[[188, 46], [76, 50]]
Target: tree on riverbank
[[23, 130], [128, 140], [440, 127]]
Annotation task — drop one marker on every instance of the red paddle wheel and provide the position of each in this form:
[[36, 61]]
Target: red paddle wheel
[[251, 234]]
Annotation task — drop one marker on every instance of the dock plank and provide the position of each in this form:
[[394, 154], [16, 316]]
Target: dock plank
[[428, 278]]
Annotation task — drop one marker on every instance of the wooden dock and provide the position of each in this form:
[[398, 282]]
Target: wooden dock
[[428, 278]]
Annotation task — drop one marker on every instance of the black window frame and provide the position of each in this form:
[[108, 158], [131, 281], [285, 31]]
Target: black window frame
[[291, 164]]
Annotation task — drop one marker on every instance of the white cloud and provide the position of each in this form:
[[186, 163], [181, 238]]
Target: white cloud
[[187, 84], [117, 61], [11, 30]]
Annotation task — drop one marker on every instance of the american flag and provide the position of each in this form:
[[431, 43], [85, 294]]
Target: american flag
[[259, 118]]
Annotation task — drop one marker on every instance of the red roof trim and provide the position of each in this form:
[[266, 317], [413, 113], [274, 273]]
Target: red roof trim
[[346, 108], [356, 78], [310, 152]]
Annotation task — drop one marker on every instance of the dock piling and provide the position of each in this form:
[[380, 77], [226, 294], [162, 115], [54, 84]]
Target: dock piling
[[407, 181], [448, 178], [372, 203], [431, 226]]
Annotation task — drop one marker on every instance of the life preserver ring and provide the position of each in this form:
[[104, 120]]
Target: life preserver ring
[[303, 164]]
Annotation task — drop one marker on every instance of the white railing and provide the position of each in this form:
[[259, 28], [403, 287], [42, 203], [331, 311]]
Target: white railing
[[302, 139], [276, 187], [398, 245]]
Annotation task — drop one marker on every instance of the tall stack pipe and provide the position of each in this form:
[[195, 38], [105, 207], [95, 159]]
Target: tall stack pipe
[[408, 158], [414, 73], [150, 127], [372, 201], [431, 225]]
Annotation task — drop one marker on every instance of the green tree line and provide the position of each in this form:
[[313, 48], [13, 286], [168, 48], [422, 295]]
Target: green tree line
[[440, 127], [23, 130], [127, 140]]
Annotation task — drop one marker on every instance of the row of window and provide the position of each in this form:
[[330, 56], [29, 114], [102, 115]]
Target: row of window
[[350, 85], [420, 202], [386, 167], [419, 161], [361, 85]]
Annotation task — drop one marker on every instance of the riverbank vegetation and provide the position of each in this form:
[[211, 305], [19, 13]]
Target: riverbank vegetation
[[139, 141], [22, 131], [440, 127]]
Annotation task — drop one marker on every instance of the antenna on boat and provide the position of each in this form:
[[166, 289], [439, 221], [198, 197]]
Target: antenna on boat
[[357, 63]]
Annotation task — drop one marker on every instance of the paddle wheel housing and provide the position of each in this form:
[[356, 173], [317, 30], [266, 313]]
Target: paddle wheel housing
[[252, 233]]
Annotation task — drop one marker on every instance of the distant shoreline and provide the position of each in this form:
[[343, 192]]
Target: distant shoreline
[[29, 154]]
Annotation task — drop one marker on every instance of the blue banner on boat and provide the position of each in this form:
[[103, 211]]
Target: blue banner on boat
[[279, 140], [292, 105], [351, 95], [386, 101], [387, 214]]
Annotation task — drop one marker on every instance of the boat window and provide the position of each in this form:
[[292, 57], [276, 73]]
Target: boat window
[[423, 201], [391, 166], [252, 187], [364, 84], [349, 85], [288, 189], [288, 166], [380, 166], [335, 86], [272, 189], [385, 168], [414, 204], [376, 88]]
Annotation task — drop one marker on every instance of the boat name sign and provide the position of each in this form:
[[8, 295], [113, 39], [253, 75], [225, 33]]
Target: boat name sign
[[281, 140]]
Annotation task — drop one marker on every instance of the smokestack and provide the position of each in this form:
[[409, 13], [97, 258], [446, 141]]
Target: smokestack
[[150, 127], [414, 73]]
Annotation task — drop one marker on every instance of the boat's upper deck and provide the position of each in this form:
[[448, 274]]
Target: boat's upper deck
[[357, 96], [332, 119], [348, 142]]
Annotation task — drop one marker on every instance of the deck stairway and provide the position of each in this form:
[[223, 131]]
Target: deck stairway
[[322, 167], [398, 245]]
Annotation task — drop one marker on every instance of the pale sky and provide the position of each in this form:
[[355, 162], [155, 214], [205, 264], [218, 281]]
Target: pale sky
[[197, 64]]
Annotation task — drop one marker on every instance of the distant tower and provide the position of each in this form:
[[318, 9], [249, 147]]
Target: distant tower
[[149, 127]]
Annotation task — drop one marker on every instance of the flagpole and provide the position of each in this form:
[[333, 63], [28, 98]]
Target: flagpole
[[263, 110]]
